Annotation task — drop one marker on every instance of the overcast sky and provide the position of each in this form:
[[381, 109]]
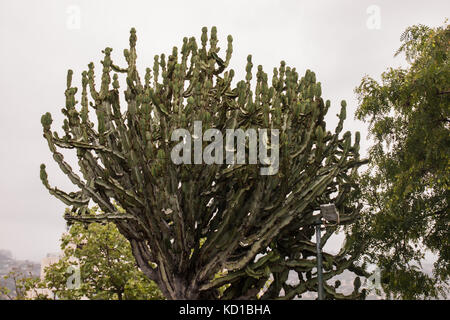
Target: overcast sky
[[340, 40]]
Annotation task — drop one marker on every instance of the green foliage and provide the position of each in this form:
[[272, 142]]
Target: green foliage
[[406, 190], [107, 267], [25, 285], [187, 224]]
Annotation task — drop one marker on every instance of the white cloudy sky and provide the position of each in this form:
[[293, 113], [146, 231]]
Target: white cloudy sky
[[39, 42]]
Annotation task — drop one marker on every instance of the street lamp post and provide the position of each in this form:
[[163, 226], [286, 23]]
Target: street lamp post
[[329, 213], [319, 260]]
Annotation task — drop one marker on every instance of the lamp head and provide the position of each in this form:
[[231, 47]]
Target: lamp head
[[329, 212]]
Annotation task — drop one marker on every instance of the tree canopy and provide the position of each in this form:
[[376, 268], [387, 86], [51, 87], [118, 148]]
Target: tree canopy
[[102, 258], [406, 189]]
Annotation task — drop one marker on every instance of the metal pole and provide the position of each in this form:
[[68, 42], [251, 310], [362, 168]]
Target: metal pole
[[319, 262]]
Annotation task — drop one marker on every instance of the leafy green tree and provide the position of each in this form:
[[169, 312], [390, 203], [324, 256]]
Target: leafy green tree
[[24, 284], [406, 189], [106, 267], [196, 229]]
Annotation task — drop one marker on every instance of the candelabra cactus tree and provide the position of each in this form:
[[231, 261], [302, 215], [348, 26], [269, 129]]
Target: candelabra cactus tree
[[208, 231]]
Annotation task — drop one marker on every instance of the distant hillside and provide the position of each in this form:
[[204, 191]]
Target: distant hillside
[[23, 267]]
